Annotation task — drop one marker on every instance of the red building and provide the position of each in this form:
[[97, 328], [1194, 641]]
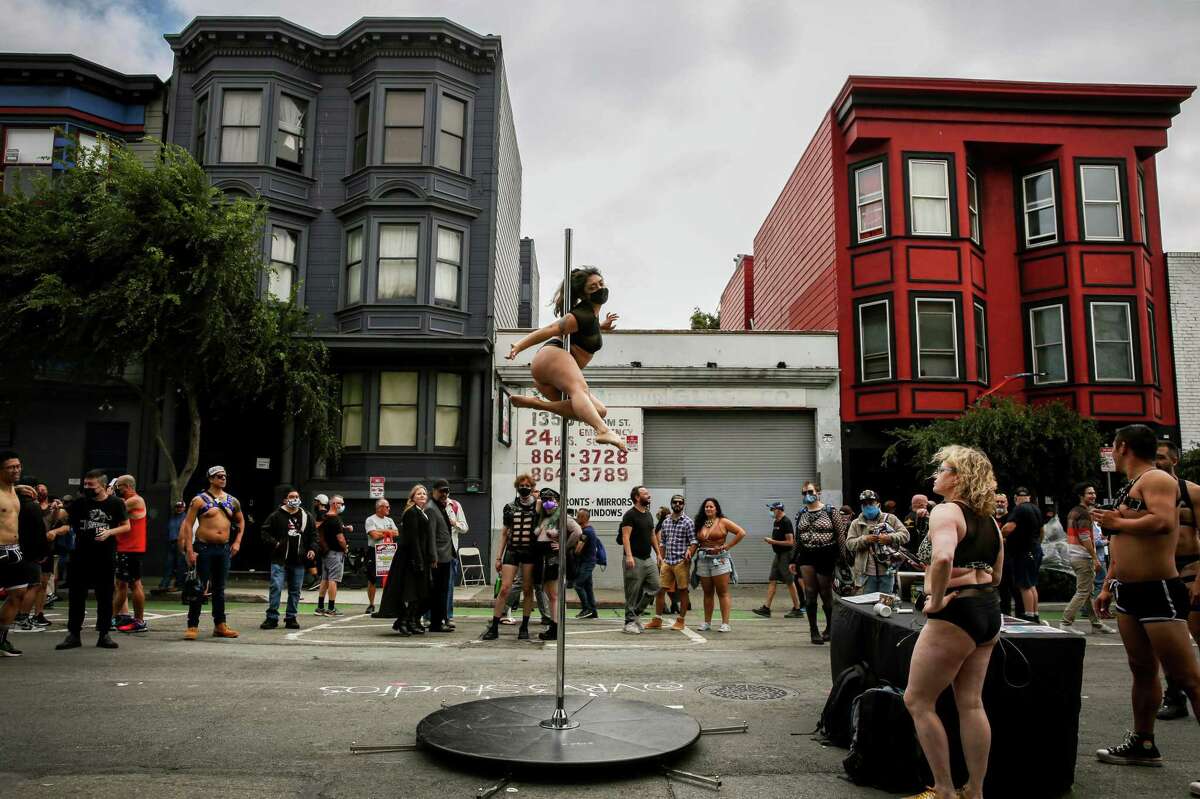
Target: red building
[[737, 300], [959, 232]]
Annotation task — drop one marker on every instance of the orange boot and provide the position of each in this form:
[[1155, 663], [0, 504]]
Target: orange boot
[[223, 630], [191, 633]]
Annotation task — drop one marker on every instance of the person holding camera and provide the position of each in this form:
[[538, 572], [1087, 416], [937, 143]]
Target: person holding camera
[[872, 538]]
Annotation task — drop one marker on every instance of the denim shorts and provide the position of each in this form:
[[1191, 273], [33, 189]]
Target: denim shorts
[[713, 565]]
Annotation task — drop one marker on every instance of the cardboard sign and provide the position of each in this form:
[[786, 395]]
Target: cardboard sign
[[384, 553], [1107, 464]]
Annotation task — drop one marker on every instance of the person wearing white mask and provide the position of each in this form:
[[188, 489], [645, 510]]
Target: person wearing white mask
[[290, 535]]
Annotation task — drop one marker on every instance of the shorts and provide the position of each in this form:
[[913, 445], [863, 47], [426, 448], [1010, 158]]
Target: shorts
[[974, 611], [713, 566], [1153, 600], [1025, 569], [519, 557], [823, 560], [369, 562], [129, 566], [779, 568], [674, 576], [334, 562], [16, 571]]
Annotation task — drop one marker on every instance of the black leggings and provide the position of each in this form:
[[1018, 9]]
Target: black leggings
[[815, 583]]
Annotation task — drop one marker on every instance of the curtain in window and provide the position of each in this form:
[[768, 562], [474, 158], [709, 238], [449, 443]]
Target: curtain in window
[[241, 114], [930, 203], [352, 411], [291, 128], [354, 256], [449, 410], [283, 260], [449, 260], [398, 262], [398, 409]]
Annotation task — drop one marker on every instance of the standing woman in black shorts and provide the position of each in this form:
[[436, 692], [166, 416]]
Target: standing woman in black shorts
[[819, 528], [963, 618]]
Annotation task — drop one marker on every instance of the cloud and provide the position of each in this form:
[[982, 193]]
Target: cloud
[[662, 132]]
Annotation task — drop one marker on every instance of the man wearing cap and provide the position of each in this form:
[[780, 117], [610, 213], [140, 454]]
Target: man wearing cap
[[1023, 550], [216, 515], [871, 532], [443, 551], [782, 539]]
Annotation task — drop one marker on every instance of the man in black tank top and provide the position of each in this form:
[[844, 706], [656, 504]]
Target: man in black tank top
[[1144, 587], [1187, 561]]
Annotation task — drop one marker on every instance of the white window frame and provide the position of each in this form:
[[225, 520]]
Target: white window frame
[[944, 198], [294, 265], [983, 369], [862, 342], [953, 332], [222, 125], [860, 202], [1128, 310], [973, 221], [1038, 205], [1085, 202], [458, 265], [1141, 186], [1062, 343], [347, 263]]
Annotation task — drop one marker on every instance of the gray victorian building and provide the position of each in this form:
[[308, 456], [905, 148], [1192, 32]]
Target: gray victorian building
[[388, 160]]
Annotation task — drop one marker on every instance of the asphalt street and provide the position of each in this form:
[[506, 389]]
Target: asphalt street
[[274, 713]]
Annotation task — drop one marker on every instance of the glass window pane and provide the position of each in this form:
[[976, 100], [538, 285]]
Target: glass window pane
[[280, 283], [876, 367], [445, 284], [354, 284], [352, 389], [239, 145], [1100, 183], [241, 107], [449, 389], [362, 114], [397, 279], [928, 179], [449, 152], [1112, 362], [930, 216], [870, 218], [1110, 322], [869, 180], [935, 325], [1041, 223], [283, 245], [454, 116], [354, 240], [292, 112], [402, 146], [445, 427], [1102, 221], [360, 152], [1039, 187], [938, 365], [398, 241], [33, 145], [404, 108], [398, 388], [1049, 359], [398, 426], [1047, 326], [352, 424], [449, 245]]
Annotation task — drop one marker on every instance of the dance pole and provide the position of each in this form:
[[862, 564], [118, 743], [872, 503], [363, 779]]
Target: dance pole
[[560, 720]]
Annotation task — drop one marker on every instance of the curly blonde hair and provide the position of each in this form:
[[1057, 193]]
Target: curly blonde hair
[[976, 486]]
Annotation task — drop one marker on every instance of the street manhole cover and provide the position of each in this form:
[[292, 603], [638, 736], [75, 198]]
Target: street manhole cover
[[746, 691]]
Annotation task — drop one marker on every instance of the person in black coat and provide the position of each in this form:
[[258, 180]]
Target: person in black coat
[[407, 591]]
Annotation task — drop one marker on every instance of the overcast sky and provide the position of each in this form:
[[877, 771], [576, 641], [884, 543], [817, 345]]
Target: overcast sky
[[662, 132]]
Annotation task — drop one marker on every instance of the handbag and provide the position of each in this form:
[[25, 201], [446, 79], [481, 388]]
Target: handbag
[[192, 589]]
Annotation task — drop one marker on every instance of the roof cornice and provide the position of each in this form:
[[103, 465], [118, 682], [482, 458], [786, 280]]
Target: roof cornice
[[66, 69]]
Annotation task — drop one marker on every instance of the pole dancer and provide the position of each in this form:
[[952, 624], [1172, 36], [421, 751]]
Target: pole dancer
[[557, 368]]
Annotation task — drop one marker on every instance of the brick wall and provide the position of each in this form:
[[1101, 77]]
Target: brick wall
[[1183, 273]]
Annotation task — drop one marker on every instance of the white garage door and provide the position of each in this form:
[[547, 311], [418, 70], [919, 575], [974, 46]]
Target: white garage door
[[746, 459]]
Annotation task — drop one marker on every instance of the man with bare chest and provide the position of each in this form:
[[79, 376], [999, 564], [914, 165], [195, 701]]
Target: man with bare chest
[[215, 515], [1144, 587], [15, 571], [1187, 561]]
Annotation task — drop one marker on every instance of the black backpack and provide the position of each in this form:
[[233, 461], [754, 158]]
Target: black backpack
[[884, 751], [836, 717]]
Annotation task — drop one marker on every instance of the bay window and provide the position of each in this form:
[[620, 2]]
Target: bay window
[[352, 409], [875, 341], [354, 262], [289, 138], [398, 409], [397, 262], [1100, 198], [1112, 341], [1038, 198], [282, 277], [452, 132], [241, 117], [403, 126], [1047, 335], [929, 197], [448, 411], [448, 270], [870, 205], [937, 338]]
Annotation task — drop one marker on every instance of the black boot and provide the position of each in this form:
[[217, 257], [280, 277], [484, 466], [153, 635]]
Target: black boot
[[492, 632], [828, 622], [813, 632], [401, 628], [106, 642], [549, 634], [70, 642], [1174, 704], [523, 633]]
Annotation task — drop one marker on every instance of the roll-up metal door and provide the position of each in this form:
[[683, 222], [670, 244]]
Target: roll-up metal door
[[746, 459]]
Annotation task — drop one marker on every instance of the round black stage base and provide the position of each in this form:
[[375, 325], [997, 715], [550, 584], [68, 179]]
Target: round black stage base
[[509, 731]]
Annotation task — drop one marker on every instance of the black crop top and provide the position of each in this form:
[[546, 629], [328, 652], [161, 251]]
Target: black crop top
[[980, 547], [588, 337]]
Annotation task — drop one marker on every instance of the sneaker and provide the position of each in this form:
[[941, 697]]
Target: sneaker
[[764, 611], [705, 627], [508, 620], [40, 620], [291, 623], [1103, 629], [370, 609], [1133, 751], [9, 651], [794, 613], [641, 627], [679, 624], [591, 614], [120, 621], [1173, 707], [53, 597], [319, 612], [334, 612], [632, 628], [70, 642], [1195, 788], [654, 624], [269, 624], [724, 628], [25, 625], [136, 626]]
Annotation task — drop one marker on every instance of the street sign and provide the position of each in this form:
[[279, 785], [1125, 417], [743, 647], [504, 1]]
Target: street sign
[[262, 463], [376, 488], [1107, 464]]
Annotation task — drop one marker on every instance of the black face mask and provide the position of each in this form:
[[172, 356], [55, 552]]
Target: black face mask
[[91, 493], [524, 491], [598, 297]]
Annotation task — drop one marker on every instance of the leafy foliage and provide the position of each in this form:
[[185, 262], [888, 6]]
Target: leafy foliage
[[702, 320], [1189, 465], [116, 266], [1045, 447]]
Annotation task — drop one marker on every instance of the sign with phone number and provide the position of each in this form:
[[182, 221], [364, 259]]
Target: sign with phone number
[[599, 477]]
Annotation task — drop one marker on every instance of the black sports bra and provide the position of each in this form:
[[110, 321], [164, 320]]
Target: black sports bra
[[588, 337], [980, 546]]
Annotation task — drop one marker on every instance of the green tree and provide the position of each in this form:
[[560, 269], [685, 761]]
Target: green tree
[[1189, 464], [116, 270], [1045, 447], [702, 320]]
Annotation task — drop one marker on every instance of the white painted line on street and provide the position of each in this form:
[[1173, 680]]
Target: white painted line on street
[[695, 637]]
